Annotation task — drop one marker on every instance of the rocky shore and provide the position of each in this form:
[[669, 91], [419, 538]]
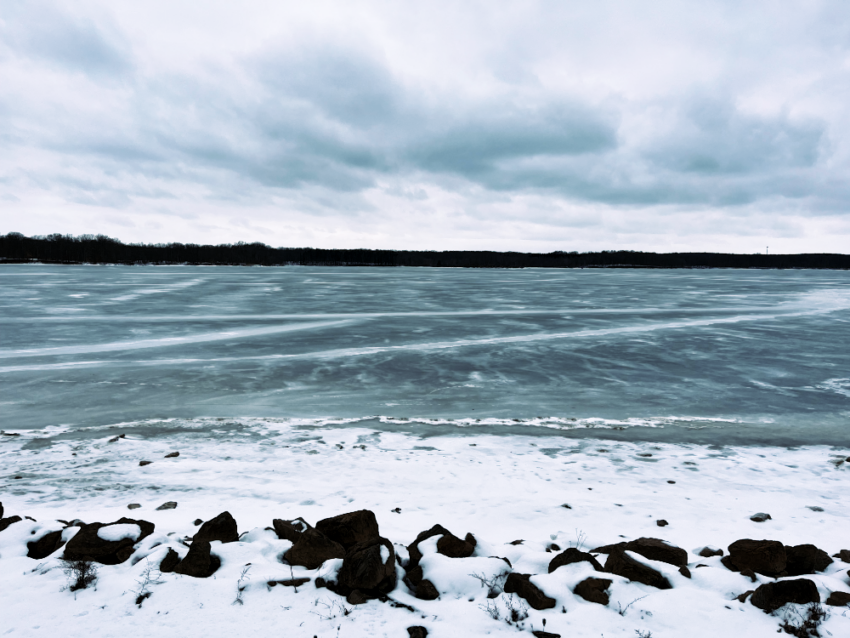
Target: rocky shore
[[348, 558]]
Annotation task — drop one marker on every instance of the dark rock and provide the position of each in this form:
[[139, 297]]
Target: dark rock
[[170, 505], [672, 482], [684, 571], [624, 565], [364, 570], [838, 599], [572, 555], [350, 529], [805, 559], [88, 546], [707, 552], [197, 522], [221, 528], [172, 455], [749, 573], [761, 517], [143, 463], [661, 523], [417, 632], [169, 562], [544, 634], [5, 522], [742, 598], [199, 562], [764, 556], [426, 590], [449, 545], [45, 546], [566, 506], [356, 597], [772, 596], [520, 585], [594, 590], [657, 549], [843, 555], [291, 582], [1, 509], [651, 548], [312, 549], [133, 506], [815, 508], [519, 541], [290, 530], [553, 547]]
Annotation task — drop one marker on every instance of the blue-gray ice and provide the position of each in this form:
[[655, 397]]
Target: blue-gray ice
[[718, 356]]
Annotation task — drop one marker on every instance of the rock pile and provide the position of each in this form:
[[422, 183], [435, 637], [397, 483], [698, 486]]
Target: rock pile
[[361, 565]]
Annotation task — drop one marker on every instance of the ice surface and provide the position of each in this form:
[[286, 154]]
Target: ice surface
[[119, 532], [705, 356]]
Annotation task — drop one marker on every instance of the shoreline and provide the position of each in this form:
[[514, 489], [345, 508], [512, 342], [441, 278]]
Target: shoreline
[[498, 488]]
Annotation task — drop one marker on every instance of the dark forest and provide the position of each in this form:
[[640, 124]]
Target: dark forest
[[99, 249]]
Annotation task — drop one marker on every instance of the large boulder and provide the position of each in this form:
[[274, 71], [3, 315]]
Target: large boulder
[[624, 565], [449, 545], [45, 546], [764, 557], [369, 568], [93, 541], [520, 585], [200, 562], [594, 590], [350, 529], [221, 528], [290, 530], [651, 548], [312, 549], [805, 559], [5, 522], [843, 555], [772, 596], [572, 555]]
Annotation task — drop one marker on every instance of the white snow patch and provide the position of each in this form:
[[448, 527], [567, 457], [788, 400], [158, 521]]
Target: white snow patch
[[119, 532]]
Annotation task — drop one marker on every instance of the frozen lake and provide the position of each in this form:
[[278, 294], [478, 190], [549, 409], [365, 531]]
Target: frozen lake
[[708, 356]]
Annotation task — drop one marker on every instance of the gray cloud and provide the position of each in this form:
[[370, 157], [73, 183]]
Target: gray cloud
[[324, 122]]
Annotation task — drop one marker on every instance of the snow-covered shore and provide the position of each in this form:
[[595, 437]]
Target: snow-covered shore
[[499, 488]]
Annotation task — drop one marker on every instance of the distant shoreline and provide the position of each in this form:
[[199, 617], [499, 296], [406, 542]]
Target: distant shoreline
[[15, 248]]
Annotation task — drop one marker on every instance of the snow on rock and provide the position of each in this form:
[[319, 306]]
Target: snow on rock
[[119, 532]]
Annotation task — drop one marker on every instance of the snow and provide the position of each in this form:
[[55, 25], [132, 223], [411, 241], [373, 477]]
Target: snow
[[119, 532], [499, 488]]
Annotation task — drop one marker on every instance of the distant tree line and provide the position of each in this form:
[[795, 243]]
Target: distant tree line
[[100, 249]]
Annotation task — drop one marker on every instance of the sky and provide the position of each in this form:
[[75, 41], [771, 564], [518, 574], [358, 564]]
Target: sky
[[533, 126]]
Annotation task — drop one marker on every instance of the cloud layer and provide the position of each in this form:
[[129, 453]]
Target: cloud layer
[[534, 126]]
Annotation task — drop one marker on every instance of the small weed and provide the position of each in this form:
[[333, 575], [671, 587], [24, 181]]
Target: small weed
[[643, 634], [240, 587], [622, 610], [334, 609], [495, 584], [512, 610], [150, 576], [81, 574], [581, 538], [804, 624]]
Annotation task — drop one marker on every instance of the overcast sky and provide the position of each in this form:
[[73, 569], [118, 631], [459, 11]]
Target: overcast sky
[[534, 126]]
